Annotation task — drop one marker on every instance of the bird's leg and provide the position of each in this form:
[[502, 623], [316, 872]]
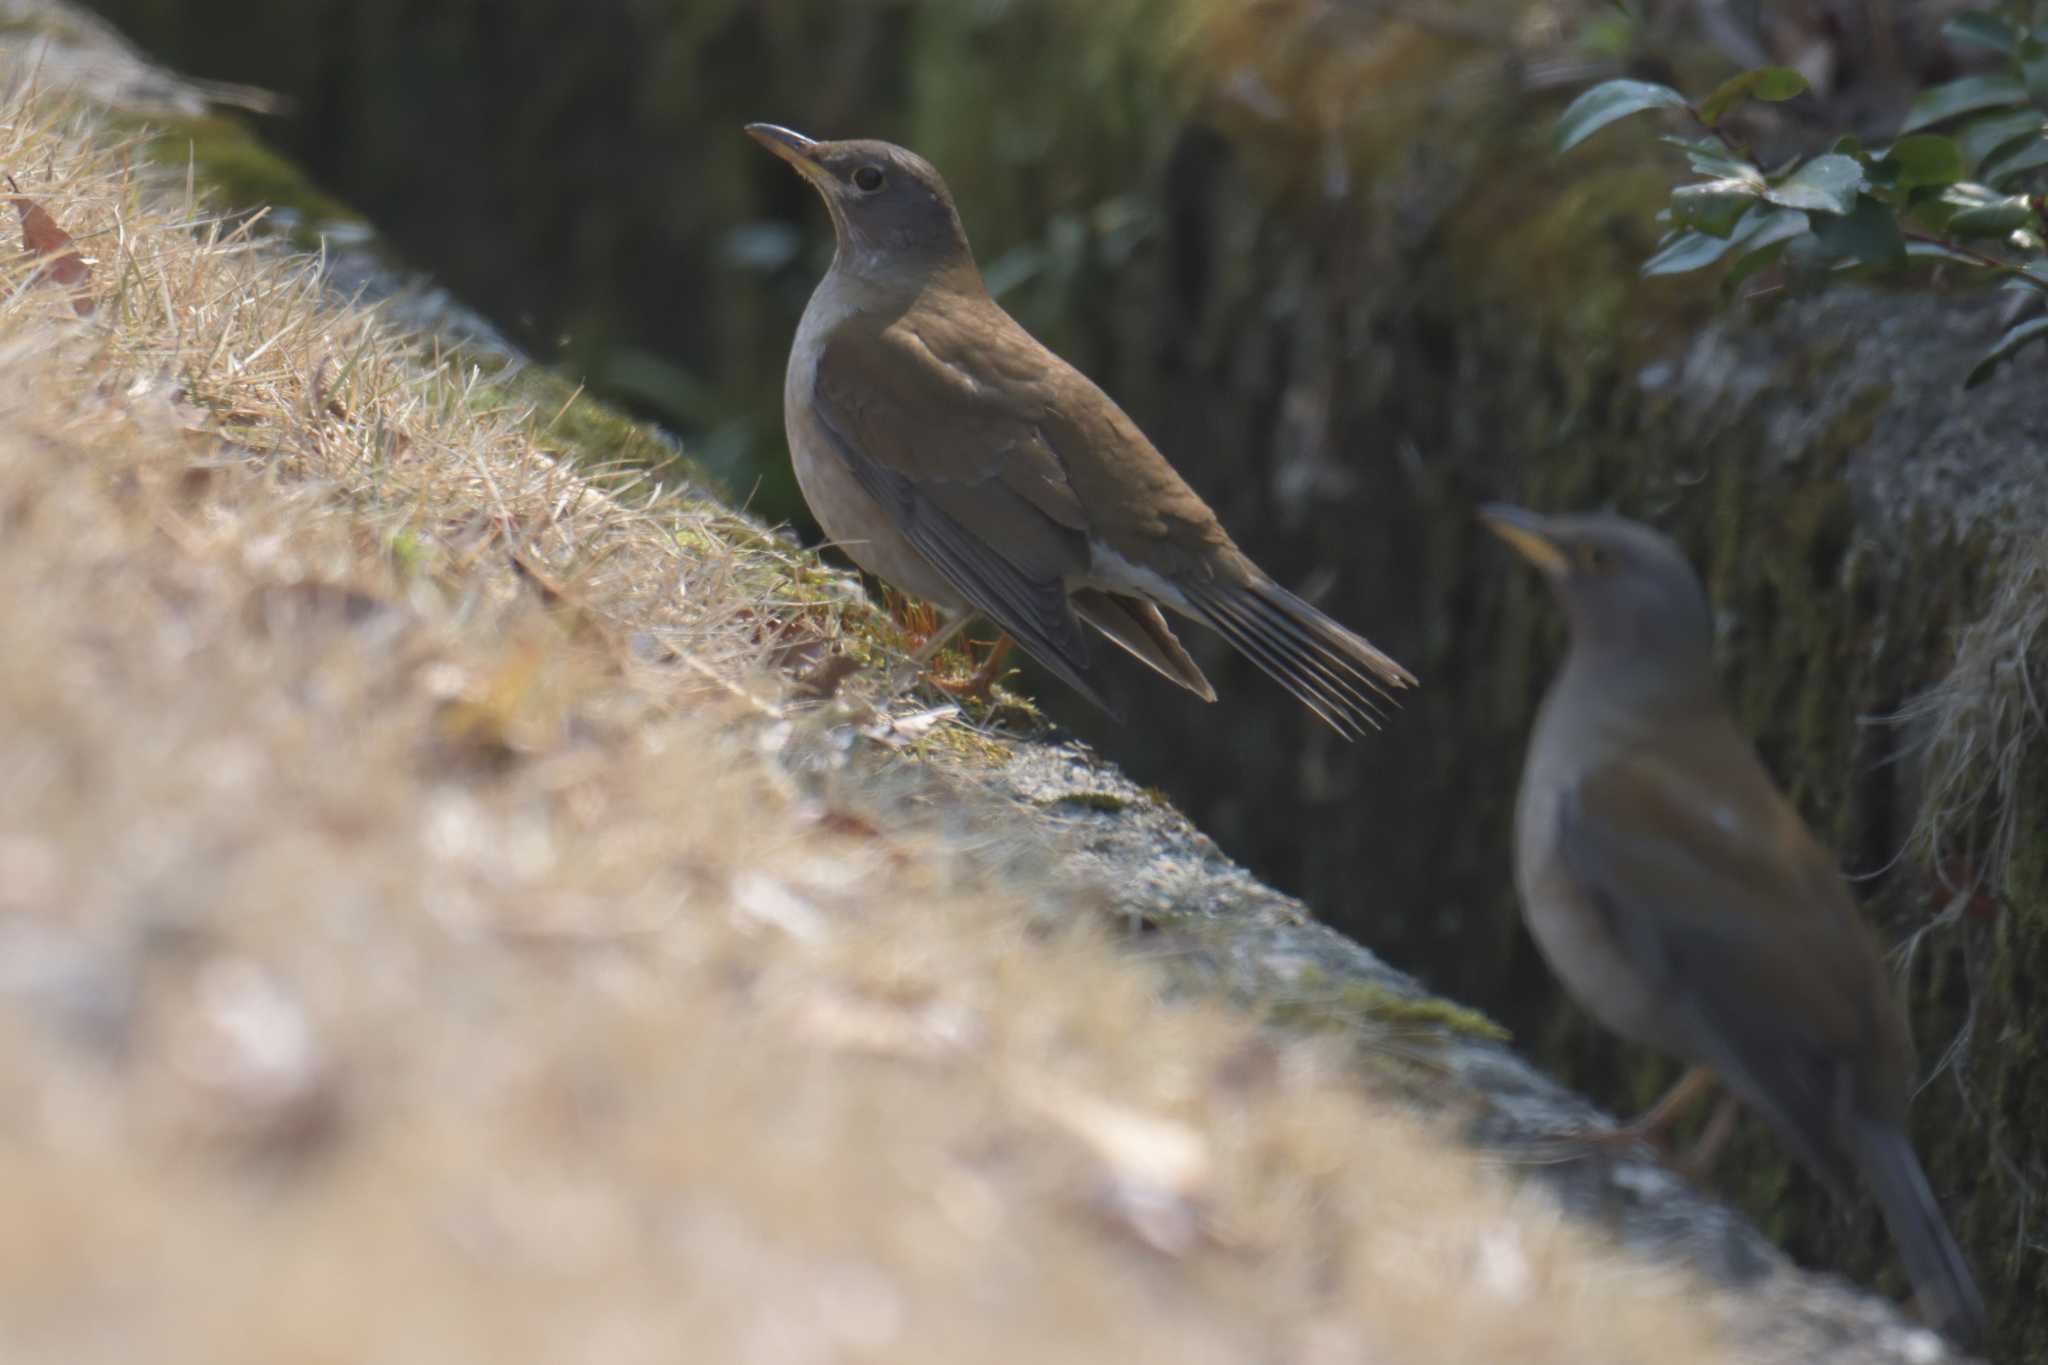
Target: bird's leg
[[977, 687], [943, 636], [1654, 1122], [926, 652], [1650, 1127], [1697, 1162]]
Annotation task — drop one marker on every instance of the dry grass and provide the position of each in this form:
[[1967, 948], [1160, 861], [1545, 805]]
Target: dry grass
[[409, 955], [1974, 730]]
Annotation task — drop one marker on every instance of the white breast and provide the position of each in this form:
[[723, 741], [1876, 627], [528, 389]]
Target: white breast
[[850, 518]]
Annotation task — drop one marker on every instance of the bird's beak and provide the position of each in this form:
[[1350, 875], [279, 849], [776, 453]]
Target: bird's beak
[[1523, 530], [792, 146]]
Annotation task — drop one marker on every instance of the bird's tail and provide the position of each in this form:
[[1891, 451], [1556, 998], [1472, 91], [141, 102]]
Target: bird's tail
[[1340, 676], [1936, 1265]]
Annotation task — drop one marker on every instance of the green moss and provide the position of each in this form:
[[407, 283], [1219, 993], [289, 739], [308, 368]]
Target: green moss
[[1851, 428], [958, 745], [223, 156], [572, 421], [1312, 1002], [1561, 243], [1103, 803], [409, 552]]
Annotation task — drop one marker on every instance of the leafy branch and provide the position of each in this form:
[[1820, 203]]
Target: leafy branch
[[1966, 195]]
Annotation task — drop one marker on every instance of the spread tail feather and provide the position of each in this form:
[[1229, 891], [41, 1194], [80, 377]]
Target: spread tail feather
[[1340, 676], [1936, 1265]]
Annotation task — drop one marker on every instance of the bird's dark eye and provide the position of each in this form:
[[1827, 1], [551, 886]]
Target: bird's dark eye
[[868, 179], [1594, 559]]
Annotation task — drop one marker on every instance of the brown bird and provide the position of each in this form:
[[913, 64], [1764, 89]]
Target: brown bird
[[1683, 901], [952, 455]]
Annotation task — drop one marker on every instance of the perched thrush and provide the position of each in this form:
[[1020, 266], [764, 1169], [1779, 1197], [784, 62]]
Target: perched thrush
[[1683, 901], [952, 455]]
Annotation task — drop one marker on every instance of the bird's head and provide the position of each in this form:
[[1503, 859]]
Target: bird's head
[[1627, 590], [890, 207]]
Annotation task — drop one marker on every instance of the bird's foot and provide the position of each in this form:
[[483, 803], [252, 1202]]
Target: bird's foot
[[929, 635], [1699, 1160], [1589, 1143], [982, 681], [1652, 1129]]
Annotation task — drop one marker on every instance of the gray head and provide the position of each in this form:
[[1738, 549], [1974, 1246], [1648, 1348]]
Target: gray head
[[1631, 597], [890, 208]]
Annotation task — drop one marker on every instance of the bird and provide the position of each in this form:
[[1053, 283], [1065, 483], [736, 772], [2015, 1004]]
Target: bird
[[952, 455], [1685, 904]]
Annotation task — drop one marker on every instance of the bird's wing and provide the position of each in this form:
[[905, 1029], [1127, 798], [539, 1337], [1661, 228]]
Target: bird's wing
[[1136, 503], [967, 479], [1071, 438], [1709, 882]]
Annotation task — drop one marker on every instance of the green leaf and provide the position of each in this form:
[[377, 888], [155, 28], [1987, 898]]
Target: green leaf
[[1868, 233], [2034, 70], [1766, 226], [1935, 251], [1965, 96], [1986, 133], [1936, 212], [1684, 251], [1748, 263], [1848, 144], [1713, 207], [1804, 257], [1994, 219], [1826, 184], [1968, 194], [1759, 240], [2033, 329], [1608, 101], [2023, 154], [1709, 157], [1982, 30], [1772, 83], [1923, 159]]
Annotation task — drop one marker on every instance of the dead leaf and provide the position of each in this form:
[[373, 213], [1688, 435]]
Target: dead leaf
[[493, 722], [898, 731], [822, 680], [1964, 886], [766, 900], [249, 1062], [311, 605], [844, 822], [318, 399], [551, 593], [1158, 1174], [931, 1030], [40, 236]]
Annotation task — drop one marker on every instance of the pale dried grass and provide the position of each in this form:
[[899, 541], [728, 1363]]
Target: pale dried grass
[[406, 956], [1973, 732]]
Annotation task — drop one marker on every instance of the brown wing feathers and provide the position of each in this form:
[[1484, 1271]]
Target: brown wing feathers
[[1033, 609], [1137, 626], [995, 508]]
